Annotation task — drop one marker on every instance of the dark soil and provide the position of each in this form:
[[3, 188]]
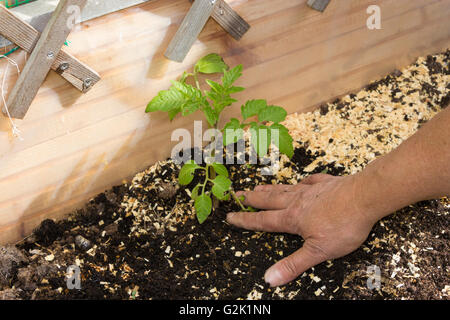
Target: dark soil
[[212, 260]]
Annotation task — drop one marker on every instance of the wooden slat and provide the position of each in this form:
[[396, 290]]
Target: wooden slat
[[75, 146], [38, 14], [26, 37], [319, 5], [41, 59], [190, 29], [229, 19]]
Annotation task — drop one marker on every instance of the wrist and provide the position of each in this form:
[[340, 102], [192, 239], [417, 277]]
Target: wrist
[[372, 198], [381, 189]]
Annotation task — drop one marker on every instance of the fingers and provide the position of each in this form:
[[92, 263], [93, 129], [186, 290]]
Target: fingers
[[276, 188], [270, 221], [294, 265], [316, 178], [267, 200]]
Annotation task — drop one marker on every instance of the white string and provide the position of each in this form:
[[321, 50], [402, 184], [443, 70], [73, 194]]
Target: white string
[[15, 130]]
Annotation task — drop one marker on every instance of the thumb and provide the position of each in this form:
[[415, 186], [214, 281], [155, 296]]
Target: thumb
[[294, 265]]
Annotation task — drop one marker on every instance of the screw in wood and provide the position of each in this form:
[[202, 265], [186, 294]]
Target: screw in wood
[[50, 55], [87, 83], [63, 66]]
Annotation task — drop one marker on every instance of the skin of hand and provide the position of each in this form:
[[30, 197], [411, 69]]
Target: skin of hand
[[320, 209], [334, 215]]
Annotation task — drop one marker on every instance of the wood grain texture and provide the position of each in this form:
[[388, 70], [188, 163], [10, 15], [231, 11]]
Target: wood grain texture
[[26, 37], [77, 145], [229, 19], [38, 13], [42, 57], [190, 28]]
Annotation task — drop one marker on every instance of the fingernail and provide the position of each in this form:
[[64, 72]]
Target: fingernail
[[272, 277]]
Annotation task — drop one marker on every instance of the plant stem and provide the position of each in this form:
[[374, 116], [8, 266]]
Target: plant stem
[[197, 83], [235, 197], [206, 178]]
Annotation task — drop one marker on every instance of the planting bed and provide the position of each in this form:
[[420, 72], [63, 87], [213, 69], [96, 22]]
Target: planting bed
[[141, 240]]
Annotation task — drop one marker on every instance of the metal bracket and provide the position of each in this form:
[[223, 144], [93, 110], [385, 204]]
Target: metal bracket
[[46, 54], [195, 21], [319, 5]]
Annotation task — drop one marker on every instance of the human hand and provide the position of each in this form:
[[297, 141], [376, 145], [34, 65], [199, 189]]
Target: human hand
[[323, 209]]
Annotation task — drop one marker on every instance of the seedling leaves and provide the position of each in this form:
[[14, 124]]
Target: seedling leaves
[[187, 172], [166, 100], [229, 77], [284, 141], [221, 185], [252, 108], [260, 138], [232, 132], [203, 206], [220, 169], [272, 113], [212, 63]]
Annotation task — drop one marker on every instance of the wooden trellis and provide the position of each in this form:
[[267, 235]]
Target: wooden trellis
[[319, 5], [46, 54], [196, 19]]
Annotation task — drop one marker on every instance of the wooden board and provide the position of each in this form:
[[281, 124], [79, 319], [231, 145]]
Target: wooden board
[[75, 146], [38, 13], [190, 28]]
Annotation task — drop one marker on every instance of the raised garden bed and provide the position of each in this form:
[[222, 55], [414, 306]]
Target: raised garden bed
[[142, 241]]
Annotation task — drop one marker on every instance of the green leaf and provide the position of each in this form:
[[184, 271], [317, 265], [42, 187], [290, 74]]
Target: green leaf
[[180, 97], [285, 143], [220, 169], [229, 77], [213, 95], [166, 100], [173, 113], [252, 108], [212, 63], [187, 172], [194, 192], [235, 89], [221, 185], [232, 132], [203, 206], [260, 138], [272, 113], [211, 115], [217, 87], [185, 76], [194, 99]]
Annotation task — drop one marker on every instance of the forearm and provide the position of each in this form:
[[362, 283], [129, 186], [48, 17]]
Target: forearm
[[419, 169]]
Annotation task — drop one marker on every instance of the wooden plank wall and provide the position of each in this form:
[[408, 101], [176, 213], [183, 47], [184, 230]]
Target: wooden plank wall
[[75, 146]]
